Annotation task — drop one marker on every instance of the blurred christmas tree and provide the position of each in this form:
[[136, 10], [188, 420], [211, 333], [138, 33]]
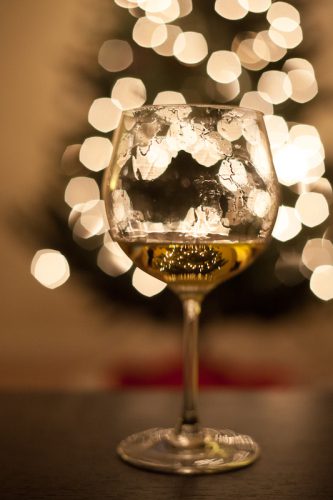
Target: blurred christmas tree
[[244, 52]]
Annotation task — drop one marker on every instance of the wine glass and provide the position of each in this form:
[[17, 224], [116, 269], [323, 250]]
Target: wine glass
[[191, 197]]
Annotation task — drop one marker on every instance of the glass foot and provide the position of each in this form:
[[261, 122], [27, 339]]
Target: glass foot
[[218, 451]]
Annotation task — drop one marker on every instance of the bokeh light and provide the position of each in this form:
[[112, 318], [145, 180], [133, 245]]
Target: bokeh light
[[254, 100], [115, 55], [169, 97], [287, 224], [147, 33], [81, 190], [286, 39], [317, 252], [225, 92], [312, 209], [266, 49], [146, 284], [50, 268], [287, 268], [95, 153], [112, 260], [323, 186], [304, 85], [166, 48], [190, 47], [70, 164], [92, 220], [321, 282], [185, 7], [167, 15], [104, 114], [275, 86], [153, 5], [129, 92], [256, 6], [277, 130], [243, 46], [297, 63], [230, 9], [224, 66], [283, 17]]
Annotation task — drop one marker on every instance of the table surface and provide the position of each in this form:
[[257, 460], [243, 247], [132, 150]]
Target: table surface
[[62, 446]]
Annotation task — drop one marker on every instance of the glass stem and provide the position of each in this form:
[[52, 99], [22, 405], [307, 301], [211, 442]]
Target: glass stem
[[187, 430]]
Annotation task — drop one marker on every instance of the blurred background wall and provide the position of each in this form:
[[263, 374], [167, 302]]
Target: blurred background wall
[[71, 337]]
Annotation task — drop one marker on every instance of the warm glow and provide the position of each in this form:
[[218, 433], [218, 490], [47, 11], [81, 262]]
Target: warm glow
[[93, 220], [324, 187], [284, 39], [317, 252], [304, 85], [253, 100], [312, 209], [275, 86], [112, 259], [169, 97], [266, 49], [227, 91], [287, 224], [70, 163], [277, 130], [185, 7], [154, 5], [81, 190], [190, 47], [129, 92], [256, 6], [166, 48], [50, 268], [290, 164], [167, 15], [224, 66], [115, 55], [146, 284], [283, 17], [230, 9], [321, 282], [95, 153], [147, 33], [104, 114], [297, 63], [248, 57]]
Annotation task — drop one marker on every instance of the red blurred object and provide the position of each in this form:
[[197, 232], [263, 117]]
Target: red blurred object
[[238, 377]]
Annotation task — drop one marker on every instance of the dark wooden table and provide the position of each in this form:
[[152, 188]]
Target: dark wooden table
[[62, 446]]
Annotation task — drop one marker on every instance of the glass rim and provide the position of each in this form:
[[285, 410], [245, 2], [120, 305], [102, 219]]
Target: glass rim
[[127, 112]]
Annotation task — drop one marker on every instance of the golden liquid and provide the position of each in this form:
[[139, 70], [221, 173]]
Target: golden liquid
[[198, 266]]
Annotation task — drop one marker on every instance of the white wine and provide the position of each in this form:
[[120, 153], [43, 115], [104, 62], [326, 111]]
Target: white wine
[[196, 266]]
